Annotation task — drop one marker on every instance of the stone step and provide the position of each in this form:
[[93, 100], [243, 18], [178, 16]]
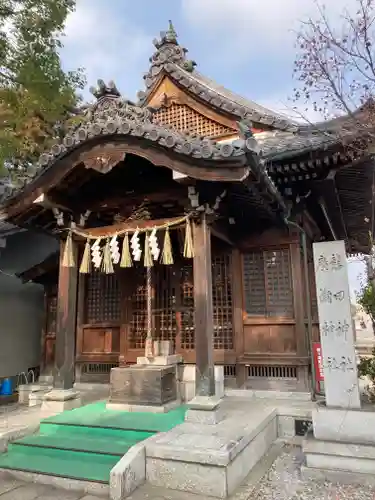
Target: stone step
[[211, 460], [335, 456], [26, 390], [61, 463]]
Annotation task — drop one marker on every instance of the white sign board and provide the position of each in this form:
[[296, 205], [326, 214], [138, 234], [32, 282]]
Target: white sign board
[[336, 325]]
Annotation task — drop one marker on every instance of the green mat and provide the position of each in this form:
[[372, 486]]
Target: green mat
[[85, 443], [97, 415], [62, 463]]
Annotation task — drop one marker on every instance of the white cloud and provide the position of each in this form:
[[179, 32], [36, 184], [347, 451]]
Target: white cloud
[[107, 45], [244, 27]]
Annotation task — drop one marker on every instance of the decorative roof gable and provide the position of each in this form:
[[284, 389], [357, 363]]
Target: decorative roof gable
[[170, 59], [185, 119]]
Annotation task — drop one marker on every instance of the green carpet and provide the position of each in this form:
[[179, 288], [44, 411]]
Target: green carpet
[[85, 443]]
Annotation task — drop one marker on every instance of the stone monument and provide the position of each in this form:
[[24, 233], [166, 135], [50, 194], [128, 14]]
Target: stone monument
[[342, 444]]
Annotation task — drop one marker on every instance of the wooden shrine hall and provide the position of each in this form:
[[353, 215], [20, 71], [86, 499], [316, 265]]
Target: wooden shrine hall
[[189, 216]]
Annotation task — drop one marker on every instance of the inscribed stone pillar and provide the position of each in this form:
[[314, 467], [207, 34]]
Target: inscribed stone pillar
[[204, 350], [66, 322], [336, 325]]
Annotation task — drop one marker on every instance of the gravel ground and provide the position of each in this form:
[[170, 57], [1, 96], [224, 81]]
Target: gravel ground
[[283, 482]]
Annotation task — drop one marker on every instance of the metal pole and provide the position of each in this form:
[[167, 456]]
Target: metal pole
[[148, 343]]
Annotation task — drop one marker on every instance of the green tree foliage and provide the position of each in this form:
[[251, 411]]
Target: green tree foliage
[[37, 96], [366, 299]]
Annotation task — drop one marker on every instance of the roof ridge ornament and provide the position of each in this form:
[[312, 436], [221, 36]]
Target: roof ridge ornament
[[168, 51], [103, 90], [169, 36]]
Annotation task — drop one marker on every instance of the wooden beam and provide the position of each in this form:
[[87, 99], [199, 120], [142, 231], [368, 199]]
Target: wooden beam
[[221, 234], [327, 218], [66, 323], [125, 200], [204, 327]]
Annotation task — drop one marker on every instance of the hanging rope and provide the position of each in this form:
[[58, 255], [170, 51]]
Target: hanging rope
[[105, 256], [121, 232]]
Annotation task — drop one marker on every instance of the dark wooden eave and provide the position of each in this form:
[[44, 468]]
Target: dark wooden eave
[[43, 271]]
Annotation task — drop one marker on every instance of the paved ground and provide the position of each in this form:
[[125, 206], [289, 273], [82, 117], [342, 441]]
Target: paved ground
[[14, 416], [280, 481]]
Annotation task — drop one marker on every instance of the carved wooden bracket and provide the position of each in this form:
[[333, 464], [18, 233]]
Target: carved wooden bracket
[[103, 162]]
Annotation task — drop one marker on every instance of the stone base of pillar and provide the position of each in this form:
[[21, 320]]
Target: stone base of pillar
[[59, 400], [205, 410]]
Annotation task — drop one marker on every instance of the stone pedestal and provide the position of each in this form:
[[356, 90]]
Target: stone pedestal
[[341, 446], [205, 410], [59, 400], [171, 359], [144, 387], [187, 377]]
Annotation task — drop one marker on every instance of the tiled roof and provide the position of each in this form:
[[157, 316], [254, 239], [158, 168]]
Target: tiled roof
[[276, 146]]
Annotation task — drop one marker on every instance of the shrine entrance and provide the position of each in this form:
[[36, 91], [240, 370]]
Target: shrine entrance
[[113, 314]]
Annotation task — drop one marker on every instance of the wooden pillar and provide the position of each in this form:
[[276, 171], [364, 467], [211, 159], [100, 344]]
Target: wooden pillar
[[299, 314], [204, 350], [66, 322]]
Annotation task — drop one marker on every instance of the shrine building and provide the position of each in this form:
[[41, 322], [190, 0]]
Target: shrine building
[[189, 216]]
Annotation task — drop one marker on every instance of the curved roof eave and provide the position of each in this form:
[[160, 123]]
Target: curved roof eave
[[114, 119]]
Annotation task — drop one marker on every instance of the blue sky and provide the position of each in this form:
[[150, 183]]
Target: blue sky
[[245, 45]]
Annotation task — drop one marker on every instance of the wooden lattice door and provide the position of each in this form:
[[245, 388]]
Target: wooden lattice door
[[222, 305], [172, 306], [163, 306]]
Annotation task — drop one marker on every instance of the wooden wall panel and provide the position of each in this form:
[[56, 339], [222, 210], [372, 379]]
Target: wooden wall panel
[[269, 338], [100, 341]]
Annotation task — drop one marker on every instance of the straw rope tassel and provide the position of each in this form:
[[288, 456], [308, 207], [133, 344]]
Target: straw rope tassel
[[68, 257], [148, 262], [188, 245], [126, 258], [107, 263], [167, 257], [85, 267]]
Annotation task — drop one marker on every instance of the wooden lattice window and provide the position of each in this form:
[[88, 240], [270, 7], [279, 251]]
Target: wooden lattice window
[[268, 283], [102, 298], [222, 302], [185, 119], [51, 314]]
